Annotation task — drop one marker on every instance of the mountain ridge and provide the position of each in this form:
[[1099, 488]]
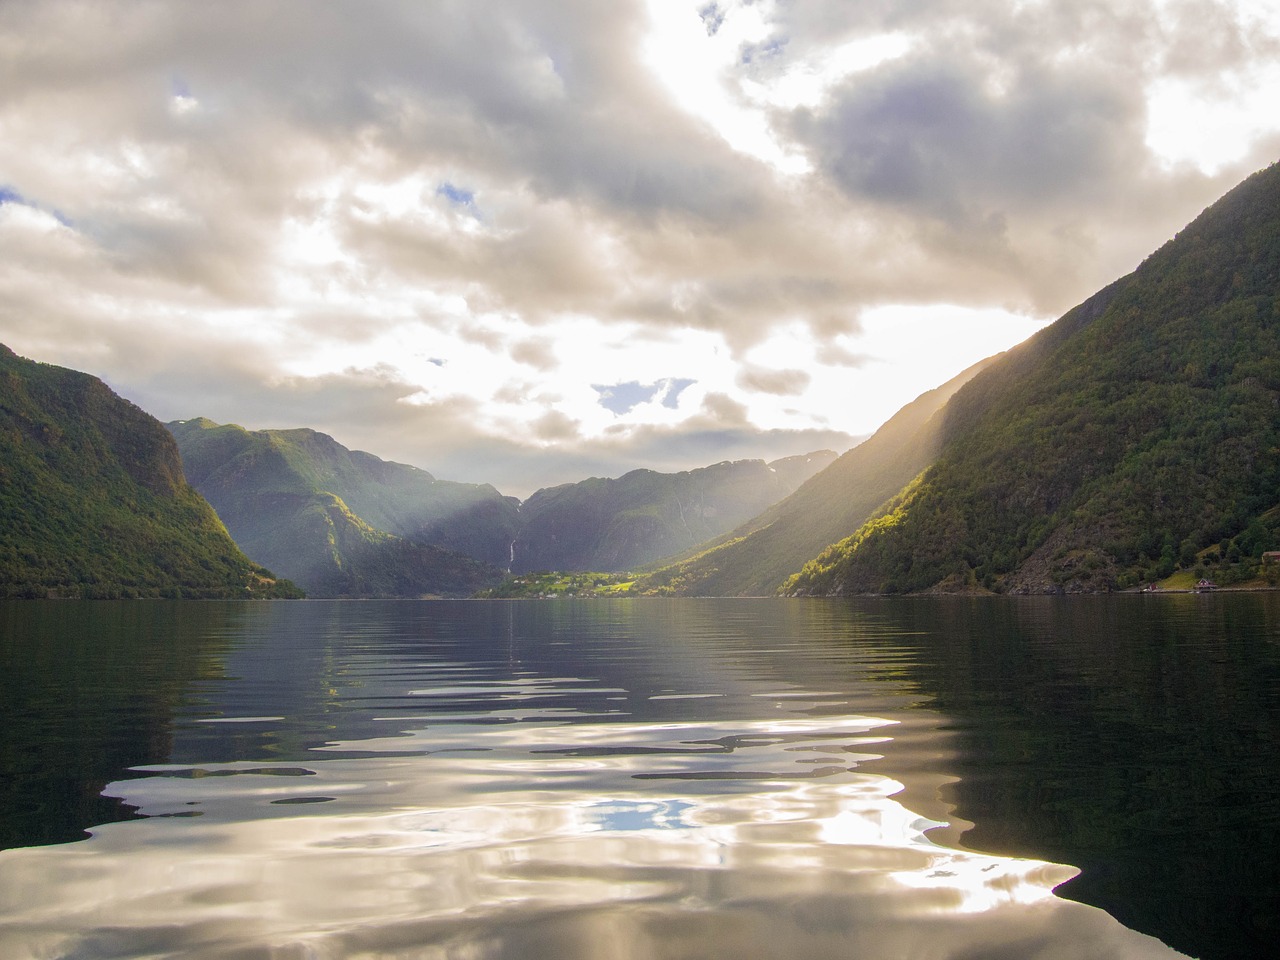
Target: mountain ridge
[[606, 524], [343, 522], [93, 500], [1136, 437], [758, 556]]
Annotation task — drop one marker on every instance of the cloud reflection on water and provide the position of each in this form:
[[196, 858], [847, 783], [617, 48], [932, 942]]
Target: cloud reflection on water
[[534, 840]]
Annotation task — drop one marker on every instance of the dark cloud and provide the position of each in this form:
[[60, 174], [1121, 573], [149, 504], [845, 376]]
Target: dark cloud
[[1013, 127], [194, 195], [927, 136], [1205, 36]]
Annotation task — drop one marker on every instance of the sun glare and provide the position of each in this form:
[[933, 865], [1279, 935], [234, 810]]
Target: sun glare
[[1212, 127], [695, 64], [807, 83], [1214, 122]]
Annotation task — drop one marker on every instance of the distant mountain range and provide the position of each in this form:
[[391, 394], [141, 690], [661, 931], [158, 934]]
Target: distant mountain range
[[98, 499], [93, 503], [346, 523], [757, 557], [1135, 439], [621, 524], [1137, 436]]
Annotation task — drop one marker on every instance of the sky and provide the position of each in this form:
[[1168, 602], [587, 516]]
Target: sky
[[523, 243]]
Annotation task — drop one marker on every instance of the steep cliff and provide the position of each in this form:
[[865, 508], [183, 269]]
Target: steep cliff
[[93, 502]]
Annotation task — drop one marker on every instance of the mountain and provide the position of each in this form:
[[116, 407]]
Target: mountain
[[1137, 436], [755, 558], [93, 502], [342, 522], [346, 523], [610, 525]]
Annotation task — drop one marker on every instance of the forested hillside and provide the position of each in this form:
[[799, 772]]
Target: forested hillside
[[623, 523], [1138, 435], [758, 556], [93, 502], [342, 522]]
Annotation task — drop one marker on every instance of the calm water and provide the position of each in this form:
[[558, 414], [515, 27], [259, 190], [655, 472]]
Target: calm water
[[641, 779]]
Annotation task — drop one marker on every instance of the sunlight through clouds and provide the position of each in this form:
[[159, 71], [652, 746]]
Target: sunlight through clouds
[[695, 55], [439, 229], [1213, 124], [1212, 119], [808, 82]]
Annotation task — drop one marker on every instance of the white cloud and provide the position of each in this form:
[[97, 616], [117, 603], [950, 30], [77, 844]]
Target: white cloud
[[433, 230], [697, 63], [808, 82], [1212, 125]]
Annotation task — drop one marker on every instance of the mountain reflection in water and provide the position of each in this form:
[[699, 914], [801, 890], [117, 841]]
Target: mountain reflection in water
[[570, 780]]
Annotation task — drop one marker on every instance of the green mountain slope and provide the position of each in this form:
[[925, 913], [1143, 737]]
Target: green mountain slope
[[343, 522], [642, 516], [93, 502], [1138, 434], [755, 558]]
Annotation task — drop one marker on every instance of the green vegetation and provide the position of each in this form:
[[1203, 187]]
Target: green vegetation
[[93, 503], [344, 523], [239, 470], [556, 584], [1136, 437], [643, 516], [755, 558]]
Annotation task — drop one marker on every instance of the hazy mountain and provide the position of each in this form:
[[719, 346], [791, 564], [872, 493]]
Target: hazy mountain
[[1139, 433], [605, 525], [755, 558], [343, 522], [93, 502]]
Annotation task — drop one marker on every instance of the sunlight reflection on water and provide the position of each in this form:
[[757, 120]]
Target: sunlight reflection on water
[[532, 840], [750, 780]]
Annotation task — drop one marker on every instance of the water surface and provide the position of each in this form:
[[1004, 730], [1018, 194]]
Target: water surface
[[640, 778]]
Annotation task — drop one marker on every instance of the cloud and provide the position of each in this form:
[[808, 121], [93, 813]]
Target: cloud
[[513, 241], [723, 409], [786, 383], [554, 425], [932, 137], [835, 355], [538, 354]]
